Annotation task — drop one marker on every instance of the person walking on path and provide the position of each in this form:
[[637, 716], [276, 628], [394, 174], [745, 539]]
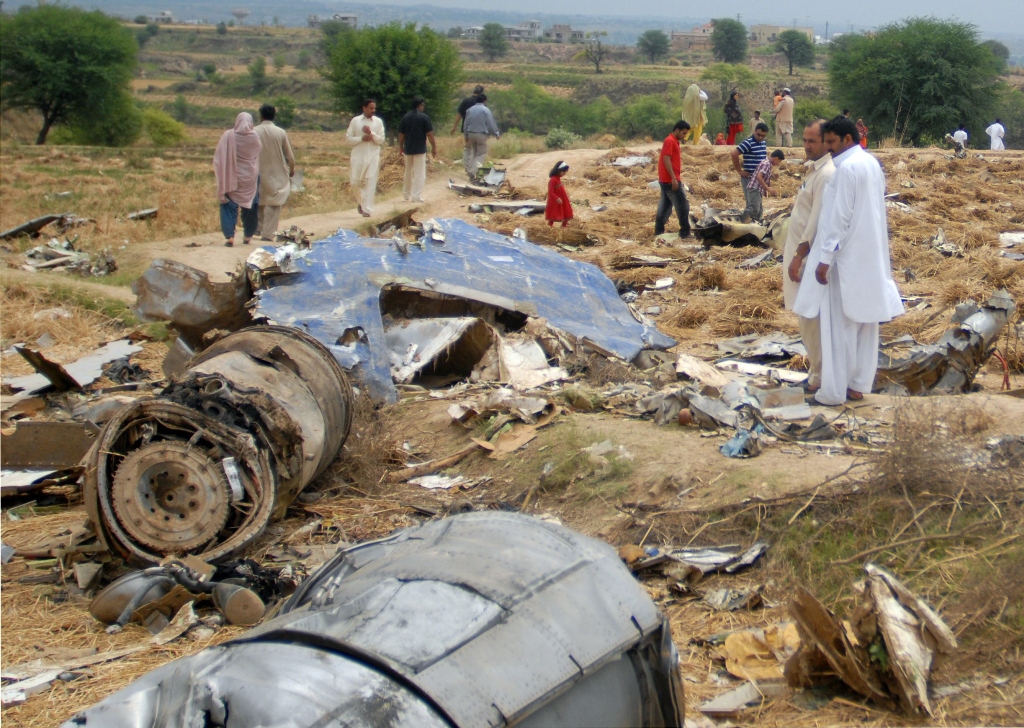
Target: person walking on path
[[733, 117], [852, 289], [366, 135], [754, 151], [862, 129], [798, 236], [277, 167], [460, 120], [784, 119], [996, 132], [236, 165], [695, 111], [414, 131], [478, 127], [558, 207], [670, 166]]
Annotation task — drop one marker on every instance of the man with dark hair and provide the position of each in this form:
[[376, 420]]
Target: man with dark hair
[[414, 131], [852, 289], [366, 135], [996, 132], [460, 119], [478, 127], [798, 234], [960, 135], [670, 166], [784, 119], [277, 167], [754, 151]]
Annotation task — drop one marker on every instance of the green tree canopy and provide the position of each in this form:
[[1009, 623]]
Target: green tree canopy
[[653, 44], [729, 40], [796, 47], [919, 78], [493, 41], [729, 76], [1000, 51], [393, 63], [66, 63]]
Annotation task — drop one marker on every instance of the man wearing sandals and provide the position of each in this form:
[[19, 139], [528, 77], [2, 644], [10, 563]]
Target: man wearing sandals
[[366, 135], [851, 289]]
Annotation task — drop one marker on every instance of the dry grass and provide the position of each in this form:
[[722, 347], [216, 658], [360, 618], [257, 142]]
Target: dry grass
[[710, 278]]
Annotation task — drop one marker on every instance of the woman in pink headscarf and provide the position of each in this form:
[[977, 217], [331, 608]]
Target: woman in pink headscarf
[[236, 164]]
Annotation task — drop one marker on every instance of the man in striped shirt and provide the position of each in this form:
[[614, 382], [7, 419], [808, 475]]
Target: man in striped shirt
[[754, 151]]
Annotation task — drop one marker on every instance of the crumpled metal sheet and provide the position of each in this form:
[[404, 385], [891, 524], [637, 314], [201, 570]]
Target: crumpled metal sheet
[[484, 619], [341, 281], [950, 364]]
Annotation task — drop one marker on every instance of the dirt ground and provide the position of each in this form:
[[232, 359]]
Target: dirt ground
[[817, 506]]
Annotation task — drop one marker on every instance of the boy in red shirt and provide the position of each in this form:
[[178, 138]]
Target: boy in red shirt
[[672, 193]]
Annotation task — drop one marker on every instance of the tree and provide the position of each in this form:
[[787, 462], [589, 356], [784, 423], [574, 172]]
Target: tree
[[304, 60], [729, 40], [285, 107], [392, 63], [729, 76], [594, 50], [1000, 51], [493, 41], [653, 44], [209, 70], [279, 62], [455, 32], [143, 35], [141, 20], [796, 47], [258, 73], [332, 30], [65, 63], [222, 29], [917, 78]]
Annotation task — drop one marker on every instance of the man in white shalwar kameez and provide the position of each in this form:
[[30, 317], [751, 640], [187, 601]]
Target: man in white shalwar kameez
[[800, 232], [997, 132], [277, 167], [852, 289], [366, 135]]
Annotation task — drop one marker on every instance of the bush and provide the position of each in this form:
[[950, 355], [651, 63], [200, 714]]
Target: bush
[[118, 124], [559, 138], [258, 73], [528, 107], [304, 60], [222, 29], [285, 116], [807, 111], [161, 129], [279, 61], [645, 116], [180, 109]]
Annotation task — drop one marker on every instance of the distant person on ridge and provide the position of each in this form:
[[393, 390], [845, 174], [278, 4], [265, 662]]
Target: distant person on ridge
[[670, 166], [862, 129], [236, 165], [733, 117], [366, 135], [558, 208], [277, 167], [997, 132], [756, 119], [414, 131], [784, 119]]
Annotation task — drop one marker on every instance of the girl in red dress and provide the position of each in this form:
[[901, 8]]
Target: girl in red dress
[[558, 209]]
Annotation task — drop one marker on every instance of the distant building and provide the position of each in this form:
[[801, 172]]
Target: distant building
[[164, 16], [563, 34], [473, 32], [762, 35], [314, 21], [697, 38], [530, 30]]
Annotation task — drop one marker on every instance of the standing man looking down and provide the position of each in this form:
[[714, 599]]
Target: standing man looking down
[[460, 120], [754, 151], [277, 167], [784, 119], [852, 289], [997, 132], [670, 166], [414, 131], [799, 237], [479, 125], [366, 135]]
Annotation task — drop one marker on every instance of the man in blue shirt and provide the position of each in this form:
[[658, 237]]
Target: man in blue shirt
[[478, 126], [754, 151]]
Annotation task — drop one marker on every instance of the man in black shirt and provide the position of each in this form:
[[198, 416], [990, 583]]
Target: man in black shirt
[[414, 130], [460, 121]]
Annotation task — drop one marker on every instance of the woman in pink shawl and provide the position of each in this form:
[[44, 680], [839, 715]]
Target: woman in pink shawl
[[236, 164]]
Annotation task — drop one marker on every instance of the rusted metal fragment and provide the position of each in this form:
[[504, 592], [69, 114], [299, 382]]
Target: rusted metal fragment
[[226, 447], [38, 454], [950, 364]]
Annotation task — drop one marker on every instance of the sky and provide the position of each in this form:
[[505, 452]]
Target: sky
[[994, 16]]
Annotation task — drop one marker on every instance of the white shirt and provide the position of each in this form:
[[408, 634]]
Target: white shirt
[[996, 131], [960, 135], [365, 158], [853, 239], [803, 221]]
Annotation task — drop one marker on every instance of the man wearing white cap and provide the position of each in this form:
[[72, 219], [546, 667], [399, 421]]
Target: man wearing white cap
[[784, 119]]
